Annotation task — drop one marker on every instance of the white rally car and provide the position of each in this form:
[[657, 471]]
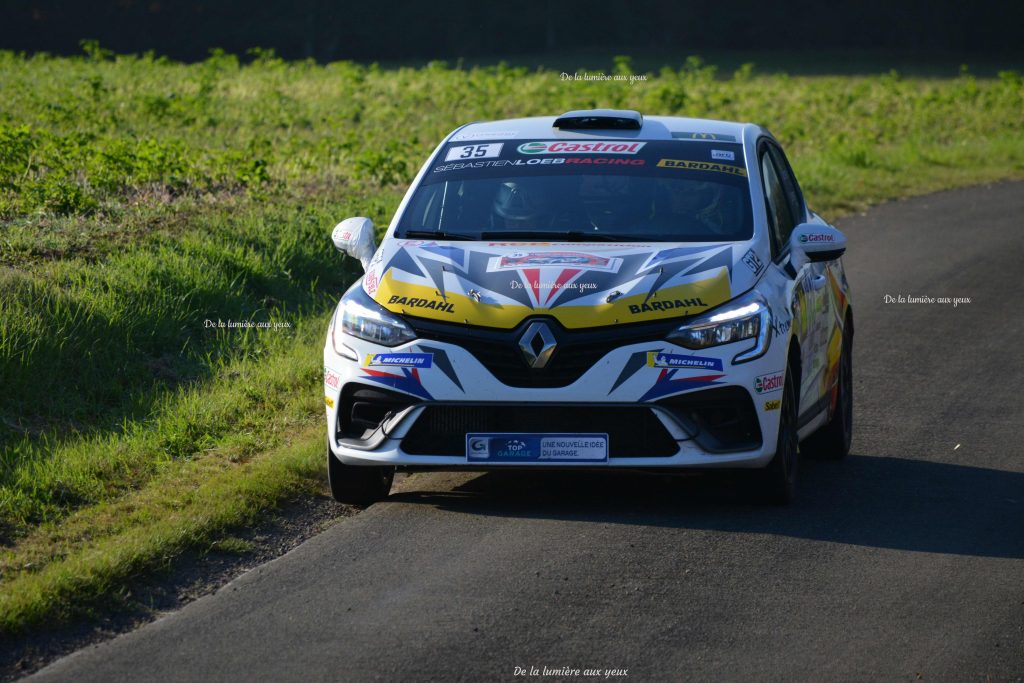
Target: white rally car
[[598, 290]]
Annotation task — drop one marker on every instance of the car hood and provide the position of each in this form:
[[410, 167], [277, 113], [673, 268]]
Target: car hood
[[498, 284]]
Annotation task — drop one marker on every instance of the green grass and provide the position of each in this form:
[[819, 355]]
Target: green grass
[[140, 198]]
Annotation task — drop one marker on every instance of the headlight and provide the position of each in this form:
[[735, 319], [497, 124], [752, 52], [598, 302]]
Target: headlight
[[746, 318], [360, 316]]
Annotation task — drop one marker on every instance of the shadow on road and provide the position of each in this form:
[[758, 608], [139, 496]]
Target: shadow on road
[[883, 502]]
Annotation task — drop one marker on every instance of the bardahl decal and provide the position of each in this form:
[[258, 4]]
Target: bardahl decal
[[416, 302], [690, 165], [666, 305]]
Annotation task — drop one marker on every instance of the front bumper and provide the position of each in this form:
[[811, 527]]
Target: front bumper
[[654, 416]]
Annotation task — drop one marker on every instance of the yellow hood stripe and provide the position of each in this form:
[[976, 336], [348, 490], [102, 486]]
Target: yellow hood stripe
[[671, 302]]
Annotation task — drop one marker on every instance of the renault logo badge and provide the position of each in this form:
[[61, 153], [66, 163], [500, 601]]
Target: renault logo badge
[[537, 345]]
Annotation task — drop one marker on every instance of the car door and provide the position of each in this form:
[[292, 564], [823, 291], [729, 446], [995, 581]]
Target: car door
[[785, 208]]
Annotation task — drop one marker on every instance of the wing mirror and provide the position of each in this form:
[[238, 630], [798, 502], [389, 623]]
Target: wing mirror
[[355, 237], [815, 242]]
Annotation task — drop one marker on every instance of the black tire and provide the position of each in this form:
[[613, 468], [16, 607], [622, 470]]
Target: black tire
[[832, 441], [358, 485], [776, 483]]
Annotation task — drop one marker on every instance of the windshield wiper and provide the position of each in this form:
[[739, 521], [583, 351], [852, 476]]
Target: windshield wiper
[[435, 234], [568, 236]]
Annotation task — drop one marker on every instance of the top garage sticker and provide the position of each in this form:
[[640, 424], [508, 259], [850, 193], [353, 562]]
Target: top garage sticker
[[590, 147]]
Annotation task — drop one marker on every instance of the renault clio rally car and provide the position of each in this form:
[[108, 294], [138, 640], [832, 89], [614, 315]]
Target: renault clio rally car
[[595, 290]]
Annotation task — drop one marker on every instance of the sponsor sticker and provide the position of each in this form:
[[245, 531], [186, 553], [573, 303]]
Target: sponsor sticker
[[485, 135], [589, 147], [469, 152], [704, 136], [766, 384], [658, 359], [329, 401], [753, 261], [399, 360], [817, 237], [781, 327], [532, 259], [332, 378], [613, 161], [537, 447], [416, 302], [499, 163], [370, 283], [667, 305], [690, 165], [772, 405], [723, 155]]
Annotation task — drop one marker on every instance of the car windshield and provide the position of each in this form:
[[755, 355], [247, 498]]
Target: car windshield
[[586, 190]]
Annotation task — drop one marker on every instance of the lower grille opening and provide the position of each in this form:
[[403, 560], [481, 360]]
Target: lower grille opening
[[722, 420], [362, 409], [633, 431]]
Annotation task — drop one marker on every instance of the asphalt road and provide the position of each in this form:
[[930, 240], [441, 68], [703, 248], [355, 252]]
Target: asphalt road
[[903, 562]]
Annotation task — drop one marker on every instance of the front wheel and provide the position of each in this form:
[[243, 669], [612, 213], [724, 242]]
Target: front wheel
[[358, 485], [776, 483]]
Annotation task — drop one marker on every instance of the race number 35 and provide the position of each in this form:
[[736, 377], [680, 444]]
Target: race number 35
[[470, 152]]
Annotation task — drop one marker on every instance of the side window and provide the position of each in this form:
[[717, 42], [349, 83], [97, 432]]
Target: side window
[[794, 197], [779, 214]]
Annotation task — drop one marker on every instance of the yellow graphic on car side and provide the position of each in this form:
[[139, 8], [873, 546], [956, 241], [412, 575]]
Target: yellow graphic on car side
[[424, 301]]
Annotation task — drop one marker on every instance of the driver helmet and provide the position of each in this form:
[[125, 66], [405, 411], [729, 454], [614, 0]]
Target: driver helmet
[[613, 201], [521, 204], [700, 201]]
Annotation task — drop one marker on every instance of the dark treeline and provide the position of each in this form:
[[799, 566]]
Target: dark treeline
[[404, 29]]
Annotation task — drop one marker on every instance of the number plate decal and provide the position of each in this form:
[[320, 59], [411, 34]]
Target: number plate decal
[[510, 448]]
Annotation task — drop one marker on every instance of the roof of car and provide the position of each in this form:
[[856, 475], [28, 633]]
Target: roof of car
[[654, 128]]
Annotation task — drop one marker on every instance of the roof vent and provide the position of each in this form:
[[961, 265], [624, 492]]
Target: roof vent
[[600, 119]]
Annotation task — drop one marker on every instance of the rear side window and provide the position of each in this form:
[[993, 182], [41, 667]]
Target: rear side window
[[780, 216], [789, 185]]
